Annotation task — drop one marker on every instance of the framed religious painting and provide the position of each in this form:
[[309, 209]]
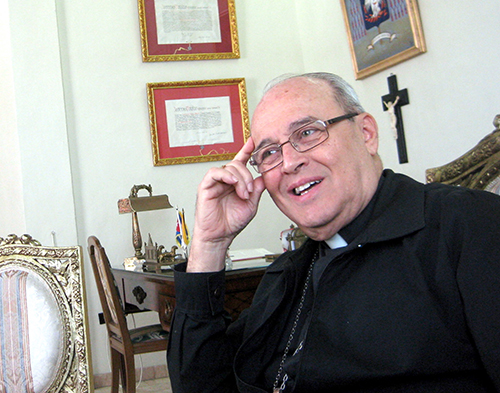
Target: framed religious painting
[[382, 33], [197, 121], [188, 30]]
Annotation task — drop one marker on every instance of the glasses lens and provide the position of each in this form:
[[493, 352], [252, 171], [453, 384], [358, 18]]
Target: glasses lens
[[267, 157], [303, 139], [309, 136]]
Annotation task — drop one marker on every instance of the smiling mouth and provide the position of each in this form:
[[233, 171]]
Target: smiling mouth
[[304, 189]]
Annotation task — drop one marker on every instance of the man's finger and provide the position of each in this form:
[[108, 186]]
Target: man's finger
[[246, 151]]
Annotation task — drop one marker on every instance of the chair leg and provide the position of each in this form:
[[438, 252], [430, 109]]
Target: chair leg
[[129, 374], [116, 362]]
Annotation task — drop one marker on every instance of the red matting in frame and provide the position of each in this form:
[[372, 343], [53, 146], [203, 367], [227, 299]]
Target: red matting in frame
[[152, 51], [159, 93]]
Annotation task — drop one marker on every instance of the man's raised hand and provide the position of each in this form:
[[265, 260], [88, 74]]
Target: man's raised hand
[[227, 200]]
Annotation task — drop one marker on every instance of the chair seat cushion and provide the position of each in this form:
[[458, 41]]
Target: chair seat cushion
[[148, 333], [31, 331]]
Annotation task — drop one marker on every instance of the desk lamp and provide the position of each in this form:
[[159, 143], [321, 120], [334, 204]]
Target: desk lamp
[[134, 204]]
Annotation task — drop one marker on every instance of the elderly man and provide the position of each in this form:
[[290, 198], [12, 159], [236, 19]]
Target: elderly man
[[396, 290]]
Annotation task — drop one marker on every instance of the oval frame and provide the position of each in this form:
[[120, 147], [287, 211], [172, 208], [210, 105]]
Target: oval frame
[[61, 268]]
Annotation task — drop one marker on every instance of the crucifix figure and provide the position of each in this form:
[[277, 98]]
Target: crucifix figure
[[393, 102], [394, 120]]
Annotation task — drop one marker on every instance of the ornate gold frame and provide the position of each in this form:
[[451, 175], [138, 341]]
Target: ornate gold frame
[[417, 34], [61, 268], [158, 93], [479, 168], [169, 52]]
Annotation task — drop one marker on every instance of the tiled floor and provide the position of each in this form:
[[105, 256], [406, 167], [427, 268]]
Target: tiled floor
[[153, 385]]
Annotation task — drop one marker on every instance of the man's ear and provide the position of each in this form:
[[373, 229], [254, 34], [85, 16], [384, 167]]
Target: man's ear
[[370, 132]]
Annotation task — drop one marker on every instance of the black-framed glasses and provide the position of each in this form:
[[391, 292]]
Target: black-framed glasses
[[303, 139]]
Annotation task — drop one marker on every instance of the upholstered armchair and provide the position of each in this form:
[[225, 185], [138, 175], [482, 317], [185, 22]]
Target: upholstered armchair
[[478, 168], [44, 342]]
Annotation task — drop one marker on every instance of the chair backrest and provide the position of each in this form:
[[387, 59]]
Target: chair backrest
[[112, 307], [479, 168], [44, 341]]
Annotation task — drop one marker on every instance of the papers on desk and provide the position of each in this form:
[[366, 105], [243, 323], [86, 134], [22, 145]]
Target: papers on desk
[[249, 258], [250, 264], [251, 253]]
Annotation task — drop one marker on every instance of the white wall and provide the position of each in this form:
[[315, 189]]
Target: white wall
[[76, 99], [453, 88], [41, 122], [11, 194]]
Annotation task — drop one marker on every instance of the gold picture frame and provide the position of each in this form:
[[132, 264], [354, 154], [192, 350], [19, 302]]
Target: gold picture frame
[[197, 121], [382, 35], [216, 39]]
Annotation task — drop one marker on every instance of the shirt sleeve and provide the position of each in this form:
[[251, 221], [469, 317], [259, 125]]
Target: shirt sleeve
[[200, 355]]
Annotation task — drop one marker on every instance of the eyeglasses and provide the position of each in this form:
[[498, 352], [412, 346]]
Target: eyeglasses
[[304, 139]]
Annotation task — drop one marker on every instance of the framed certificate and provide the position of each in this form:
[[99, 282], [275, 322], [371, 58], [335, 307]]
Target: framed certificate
[[197, 121], [188, 30]]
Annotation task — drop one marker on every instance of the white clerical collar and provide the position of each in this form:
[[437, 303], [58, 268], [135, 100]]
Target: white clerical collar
[[336, 241]]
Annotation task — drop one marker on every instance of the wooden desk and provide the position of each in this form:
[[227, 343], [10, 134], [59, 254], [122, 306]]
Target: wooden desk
[[156, 291]]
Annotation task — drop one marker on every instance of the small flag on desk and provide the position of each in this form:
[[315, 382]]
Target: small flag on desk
[[185, 231], [181, 232]]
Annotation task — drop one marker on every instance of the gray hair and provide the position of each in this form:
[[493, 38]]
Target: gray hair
[[342, 91]]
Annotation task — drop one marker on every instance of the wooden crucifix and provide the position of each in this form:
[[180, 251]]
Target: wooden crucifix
[[393, 102]]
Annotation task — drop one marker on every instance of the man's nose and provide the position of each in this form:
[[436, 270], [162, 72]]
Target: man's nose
[[292, 159]]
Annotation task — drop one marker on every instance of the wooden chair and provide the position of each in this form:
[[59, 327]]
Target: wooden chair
[[44, 340], [479, 168], [124, 342]]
